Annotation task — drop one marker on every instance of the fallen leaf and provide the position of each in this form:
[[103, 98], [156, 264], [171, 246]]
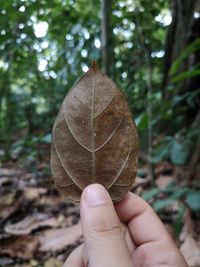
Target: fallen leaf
[[191, 251], [30, 223], [9, 204], [163, 181], [6, 212], [190, 246], [53, 262], [48, 201], [9, 172], [5, 172], [21, 247], [141, 181], [188, 228], [65, 221], [32, 193], [7, 198], [58, 239], [5, 261]]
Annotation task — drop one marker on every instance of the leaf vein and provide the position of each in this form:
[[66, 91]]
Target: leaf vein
[[83, 102], [67, 123], [70, 175], [105, 106], [110, 135], [121, 169]]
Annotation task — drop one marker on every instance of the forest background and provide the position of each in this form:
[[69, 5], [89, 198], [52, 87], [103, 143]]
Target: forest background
[[151, 49]]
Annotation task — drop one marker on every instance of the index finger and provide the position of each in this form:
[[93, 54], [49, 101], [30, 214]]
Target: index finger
[[143, 223]]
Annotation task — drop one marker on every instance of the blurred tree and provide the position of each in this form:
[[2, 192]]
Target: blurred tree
[[150, 48], [106, 36]]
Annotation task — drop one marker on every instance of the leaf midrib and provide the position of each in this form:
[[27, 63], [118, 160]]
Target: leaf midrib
[[92, 130]]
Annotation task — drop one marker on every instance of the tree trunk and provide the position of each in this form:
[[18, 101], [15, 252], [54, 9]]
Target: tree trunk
[[178, 35], [149, 109], [169, 45], [106, 33]]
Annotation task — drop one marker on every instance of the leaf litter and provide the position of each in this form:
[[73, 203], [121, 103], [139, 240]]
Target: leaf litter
[[39, 228]]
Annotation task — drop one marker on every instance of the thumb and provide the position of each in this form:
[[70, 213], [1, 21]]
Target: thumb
[[104, 235]]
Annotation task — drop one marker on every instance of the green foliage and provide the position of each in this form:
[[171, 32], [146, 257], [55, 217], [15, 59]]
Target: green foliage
[[38, 66], [142, 121], [190, 49], [173, 149], [193, 200], [185, 75], [158, 205], [173, 193], [149, 194]]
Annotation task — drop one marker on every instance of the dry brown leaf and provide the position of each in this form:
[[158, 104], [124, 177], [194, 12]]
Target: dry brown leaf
[[8, 172], [6, 212], [32, 193], [22, 247], [141, 181], [30, 223], [94, 139], [5, 261], [7, 198], [53, 262], [188, 228], [191, 246], [50, 201], [163, 181], [191, 251], [58, 239], [9, 204]]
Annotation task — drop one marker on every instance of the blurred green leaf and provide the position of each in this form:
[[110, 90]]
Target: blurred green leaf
[[193, 47], [179, 152], [147, 195], [185, 75], [162, 150], [46, 139], [142, 121], [162, 204], [193, 200], [180, 192]]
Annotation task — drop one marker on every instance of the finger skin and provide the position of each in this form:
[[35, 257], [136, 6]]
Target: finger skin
[[103, 232], [144, 225], [155, 247], [103, 236], [75, 259]]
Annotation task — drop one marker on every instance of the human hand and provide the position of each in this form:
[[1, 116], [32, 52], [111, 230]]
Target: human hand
[[127, 234]]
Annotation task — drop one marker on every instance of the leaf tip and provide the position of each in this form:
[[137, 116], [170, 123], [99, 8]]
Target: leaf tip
[[94, 65]]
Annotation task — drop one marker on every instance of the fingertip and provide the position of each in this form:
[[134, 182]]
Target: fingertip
[[98, 214], [138, 205], [143, 222], [95, 195]]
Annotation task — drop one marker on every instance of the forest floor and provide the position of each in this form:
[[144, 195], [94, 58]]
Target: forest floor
[[39, 229]]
